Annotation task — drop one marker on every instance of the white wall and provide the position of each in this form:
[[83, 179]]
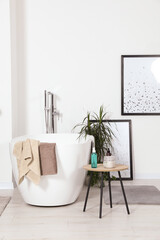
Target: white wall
[[18, 59], [73, 49], [5, 96]]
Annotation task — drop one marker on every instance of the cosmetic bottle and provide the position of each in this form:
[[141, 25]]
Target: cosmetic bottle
[[108, 152], [109, 160], [94, 158]]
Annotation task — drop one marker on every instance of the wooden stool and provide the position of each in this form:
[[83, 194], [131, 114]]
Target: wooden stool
[[100, 168]]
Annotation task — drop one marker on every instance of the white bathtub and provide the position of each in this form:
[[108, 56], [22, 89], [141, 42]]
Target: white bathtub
[[64, 187]]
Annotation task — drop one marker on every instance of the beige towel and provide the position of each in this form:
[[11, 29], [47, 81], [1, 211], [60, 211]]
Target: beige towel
[[27, 155], [48, 158]]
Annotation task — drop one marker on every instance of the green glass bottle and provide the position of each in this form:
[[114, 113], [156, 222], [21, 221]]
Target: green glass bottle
[[94, 158]]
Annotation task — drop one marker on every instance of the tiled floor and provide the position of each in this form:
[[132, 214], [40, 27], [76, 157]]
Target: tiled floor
[[20, 221]]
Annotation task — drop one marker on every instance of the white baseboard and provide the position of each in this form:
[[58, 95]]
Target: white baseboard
[[147, 176], [6, 185]]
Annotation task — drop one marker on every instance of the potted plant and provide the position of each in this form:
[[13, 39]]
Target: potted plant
[[93, 124]]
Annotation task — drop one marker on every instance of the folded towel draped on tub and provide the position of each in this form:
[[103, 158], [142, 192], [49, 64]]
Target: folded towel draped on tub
[[48, 158], [27, 155]]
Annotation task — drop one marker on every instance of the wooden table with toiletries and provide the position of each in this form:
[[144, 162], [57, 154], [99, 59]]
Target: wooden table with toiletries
[[100, 168]]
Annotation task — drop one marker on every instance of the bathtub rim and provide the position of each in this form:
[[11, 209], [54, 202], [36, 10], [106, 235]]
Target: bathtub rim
[[76, 141]]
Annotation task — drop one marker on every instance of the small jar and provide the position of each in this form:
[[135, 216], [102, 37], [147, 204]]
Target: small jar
[[109, 162]]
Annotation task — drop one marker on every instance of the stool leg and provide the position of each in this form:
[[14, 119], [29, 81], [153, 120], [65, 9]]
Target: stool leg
[[110, 193], [124, 195], [85, 204], [101, 196]]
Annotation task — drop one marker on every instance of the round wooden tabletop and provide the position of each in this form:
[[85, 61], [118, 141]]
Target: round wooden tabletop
[[101, 168]]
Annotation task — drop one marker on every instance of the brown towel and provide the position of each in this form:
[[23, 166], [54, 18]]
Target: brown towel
[[27, 156], [48, 158]]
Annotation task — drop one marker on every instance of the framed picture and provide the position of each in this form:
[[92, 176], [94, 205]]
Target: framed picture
[[140, 92], [122, 145]]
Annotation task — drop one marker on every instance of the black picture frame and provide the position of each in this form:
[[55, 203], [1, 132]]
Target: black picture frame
[[125, 144], [140, 88]]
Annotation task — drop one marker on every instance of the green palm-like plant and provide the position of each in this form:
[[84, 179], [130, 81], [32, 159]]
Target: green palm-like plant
[[93, 124]]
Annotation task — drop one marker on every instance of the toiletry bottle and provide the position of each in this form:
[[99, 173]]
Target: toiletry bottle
[[108, 152], [94, 158]]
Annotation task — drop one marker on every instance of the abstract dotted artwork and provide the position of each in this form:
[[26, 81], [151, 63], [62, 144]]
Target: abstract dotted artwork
[[140, 84]]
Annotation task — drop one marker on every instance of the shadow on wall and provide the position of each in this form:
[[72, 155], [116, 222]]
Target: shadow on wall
[[18, 62], [59, 116]]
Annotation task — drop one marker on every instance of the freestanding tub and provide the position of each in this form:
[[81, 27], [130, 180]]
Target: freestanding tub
[[64, 187]]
